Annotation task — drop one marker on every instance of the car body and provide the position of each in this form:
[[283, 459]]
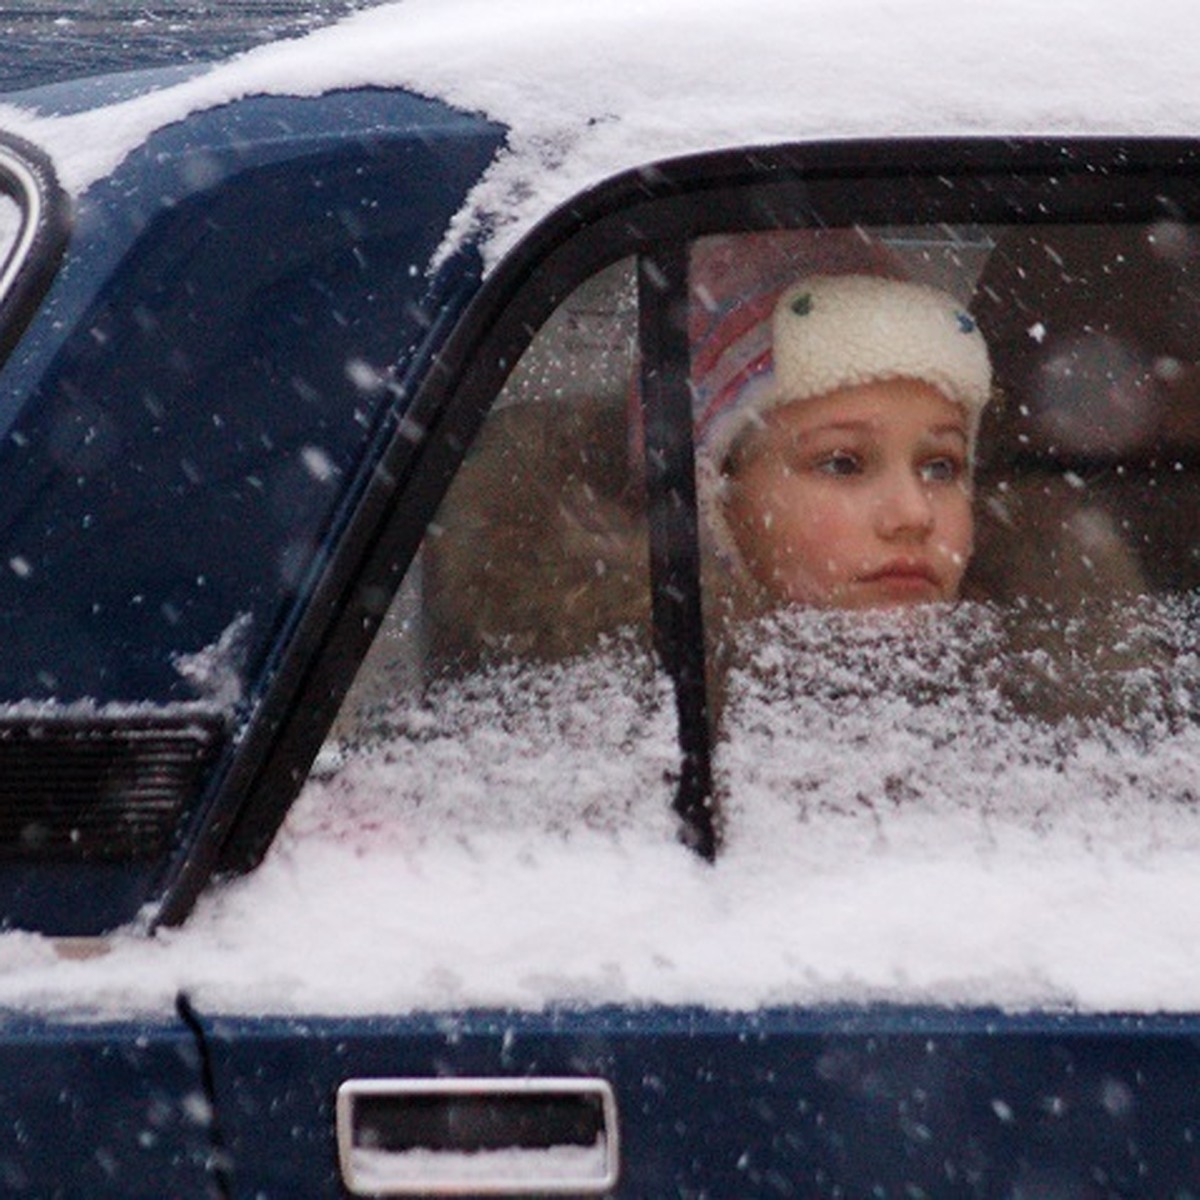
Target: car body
[[371, 823]]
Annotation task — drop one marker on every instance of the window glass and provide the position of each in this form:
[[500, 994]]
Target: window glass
[[1053, 672], [512, 678], [540, 546], [1028, 641]]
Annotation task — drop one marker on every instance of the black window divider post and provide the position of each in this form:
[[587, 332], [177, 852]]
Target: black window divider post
[[673, 524]]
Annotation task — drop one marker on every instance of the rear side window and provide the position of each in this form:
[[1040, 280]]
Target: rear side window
[[631, 517], [1049, 676]]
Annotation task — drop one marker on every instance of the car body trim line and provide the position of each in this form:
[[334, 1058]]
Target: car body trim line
[[219, 1159]]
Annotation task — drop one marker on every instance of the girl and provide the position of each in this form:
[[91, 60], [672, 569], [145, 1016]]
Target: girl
[[835, 443]]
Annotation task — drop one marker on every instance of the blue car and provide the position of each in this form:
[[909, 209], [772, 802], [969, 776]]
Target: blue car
[[419, 775]]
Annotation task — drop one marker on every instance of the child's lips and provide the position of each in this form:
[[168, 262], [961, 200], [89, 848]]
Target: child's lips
[[905, 574]]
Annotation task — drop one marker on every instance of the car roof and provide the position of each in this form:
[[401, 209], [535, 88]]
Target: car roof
[[591, 89]]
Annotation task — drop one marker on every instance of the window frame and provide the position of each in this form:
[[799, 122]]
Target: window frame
[[892, 182]]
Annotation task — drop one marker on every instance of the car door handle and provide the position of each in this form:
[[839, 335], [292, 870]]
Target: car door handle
[[485, 1136]]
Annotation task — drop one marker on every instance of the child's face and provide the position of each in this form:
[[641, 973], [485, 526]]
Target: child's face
[[857, 499]]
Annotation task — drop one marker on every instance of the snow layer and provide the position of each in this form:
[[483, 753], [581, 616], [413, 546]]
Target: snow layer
[[899, 827], [591, 87]]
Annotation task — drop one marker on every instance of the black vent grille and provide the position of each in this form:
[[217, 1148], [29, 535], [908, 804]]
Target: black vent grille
[[100, 788]]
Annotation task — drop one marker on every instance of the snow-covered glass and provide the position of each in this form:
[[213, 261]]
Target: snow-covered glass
[[512, 678], [900, 794], [1064, 668], [1060, 686]]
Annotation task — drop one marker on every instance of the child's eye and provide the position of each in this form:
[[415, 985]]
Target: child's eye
[[839, 463], [945, 469]]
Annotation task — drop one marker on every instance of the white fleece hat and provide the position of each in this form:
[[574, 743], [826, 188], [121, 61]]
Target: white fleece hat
[[830, 332], [826, 333]]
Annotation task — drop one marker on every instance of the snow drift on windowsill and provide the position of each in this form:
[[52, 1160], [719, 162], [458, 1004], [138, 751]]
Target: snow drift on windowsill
[[903, 826]]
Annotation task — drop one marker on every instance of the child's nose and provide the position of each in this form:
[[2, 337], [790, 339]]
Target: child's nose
[[905, 509]]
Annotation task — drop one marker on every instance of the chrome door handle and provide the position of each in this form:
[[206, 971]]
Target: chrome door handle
[[486, 1136]]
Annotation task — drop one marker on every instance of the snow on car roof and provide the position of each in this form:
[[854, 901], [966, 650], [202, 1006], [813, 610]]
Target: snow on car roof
[[593, 87]]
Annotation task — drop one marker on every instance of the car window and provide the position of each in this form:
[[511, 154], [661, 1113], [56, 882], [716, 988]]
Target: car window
[[1060, 686], [517, 653], [1064, 654], [539, 549]]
